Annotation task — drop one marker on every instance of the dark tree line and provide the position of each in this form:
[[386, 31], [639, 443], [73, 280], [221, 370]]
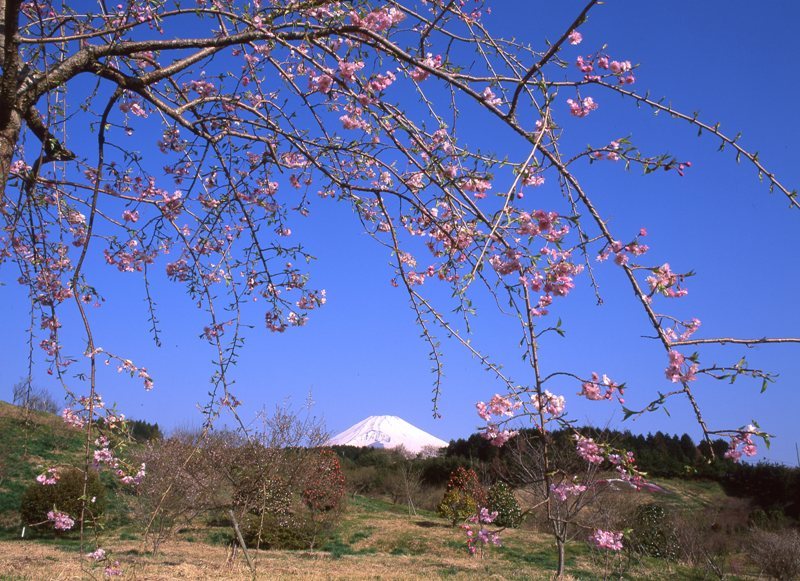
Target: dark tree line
[[773, 488]]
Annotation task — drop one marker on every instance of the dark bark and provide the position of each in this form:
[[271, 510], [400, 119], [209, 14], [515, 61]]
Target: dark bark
[[9, 134]]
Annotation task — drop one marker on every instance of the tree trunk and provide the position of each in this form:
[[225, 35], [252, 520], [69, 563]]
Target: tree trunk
[[8, 141], [560, 568]]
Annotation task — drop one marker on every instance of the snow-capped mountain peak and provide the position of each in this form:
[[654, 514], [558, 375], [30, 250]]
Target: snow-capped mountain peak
[[387, 432]]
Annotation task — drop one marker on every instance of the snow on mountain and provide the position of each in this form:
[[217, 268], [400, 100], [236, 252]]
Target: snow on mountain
[[388, 432]]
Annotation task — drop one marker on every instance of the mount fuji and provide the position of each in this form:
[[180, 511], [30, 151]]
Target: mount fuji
[[388, 432]]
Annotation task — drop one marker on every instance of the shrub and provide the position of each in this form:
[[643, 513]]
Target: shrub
[[501, 499], [184, 480], [777, 553], [325, 489], [297, 507], [65, 496], [652, 532], [463, 496], [457, 505]]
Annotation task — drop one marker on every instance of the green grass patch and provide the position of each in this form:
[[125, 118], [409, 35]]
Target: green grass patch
[[220, 537], [339, 548], [361, 535]]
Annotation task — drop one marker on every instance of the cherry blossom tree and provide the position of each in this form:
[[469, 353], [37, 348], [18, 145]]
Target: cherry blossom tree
[[189, 136]]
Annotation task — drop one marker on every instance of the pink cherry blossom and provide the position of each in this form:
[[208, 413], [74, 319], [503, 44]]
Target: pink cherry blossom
[[606, 540], [582, 108], [48, 478], [593, 389], [549, 403], [348, 69], [432, 62], [321, 83], [588, 449], [742, 443], [97, 555], [378, 20], [61, 520], [575, 37], [678, 370], [498, 437], [490, 98], [382, 82], [563, 490]]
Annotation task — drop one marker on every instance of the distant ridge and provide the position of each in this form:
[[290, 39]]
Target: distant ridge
[[388, 432]]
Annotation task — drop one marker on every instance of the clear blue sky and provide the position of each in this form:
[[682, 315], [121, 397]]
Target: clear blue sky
[[361, 355]]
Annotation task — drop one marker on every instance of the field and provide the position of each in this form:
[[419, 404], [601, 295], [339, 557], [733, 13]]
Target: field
[[375, 539]]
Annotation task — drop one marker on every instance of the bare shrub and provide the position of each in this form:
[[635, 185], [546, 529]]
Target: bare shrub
[[183, 482], [707, 539], [404, 484], [777, 553]]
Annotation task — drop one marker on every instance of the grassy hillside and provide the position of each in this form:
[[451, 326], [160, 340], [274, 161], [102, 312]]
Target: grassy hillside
[[31, 442]]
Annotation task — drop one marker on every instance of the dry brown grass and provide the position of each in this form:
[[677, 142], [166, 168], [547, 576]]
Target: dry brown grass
[[376, 541], [182, 560]]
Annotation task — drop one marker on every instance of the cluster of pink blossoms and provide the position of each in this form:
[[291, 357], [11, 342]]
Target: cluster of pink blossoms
[[432, 62], [497, 406], [133, 106], [61, 520], [678, 370], [507, 262], [321, 83], [593, 389], [610, 152], [742, 444], [478, 186], [623, 252], [378, 20], [348, 69], [72, 418], [498, 437], [132, 479], [549, 403], [666, 282], [482, 537], [104, 455], [127, 258], [690, 327], [563, 490], [621, 69], [575, 37], [49, 478], [582, 108], [589, 450], [606, 540], [113, 570], [97, 555], [20, 167]]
